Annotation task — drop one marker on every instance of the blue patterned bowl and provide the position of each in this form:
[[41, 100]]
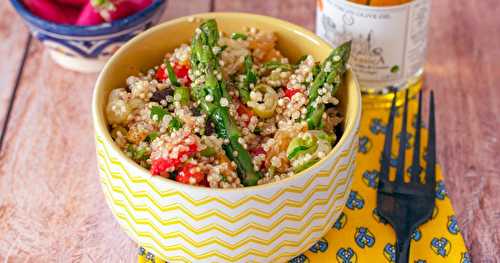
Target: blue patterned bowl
[[87, 48]]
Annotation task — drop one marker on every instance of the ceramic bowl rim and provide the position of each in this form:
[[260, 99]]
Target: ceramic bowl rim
[[85, 31], [100, 124]]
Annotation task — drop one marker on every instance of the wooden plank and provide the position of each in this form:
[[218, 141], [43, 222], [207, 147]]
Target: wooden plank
[[301, 12], [52, 208], [14, 36], [464, 71]]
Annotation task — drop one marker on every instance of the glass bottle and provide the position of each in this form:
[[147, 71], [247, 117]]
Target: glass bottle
[[389, 42]]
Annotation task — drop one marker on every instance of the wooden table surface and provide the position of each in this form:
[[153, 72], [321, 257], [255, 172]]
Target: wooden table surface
[[51, 204]]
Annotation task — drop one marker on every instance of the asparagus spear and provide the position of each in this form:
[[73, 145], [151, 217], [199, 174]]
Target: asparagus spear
[[209, 95], [331, 72]]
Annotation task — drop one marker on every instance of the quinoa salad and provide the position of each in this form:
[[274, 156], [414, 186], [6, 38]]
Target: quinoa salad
[[229, 110]]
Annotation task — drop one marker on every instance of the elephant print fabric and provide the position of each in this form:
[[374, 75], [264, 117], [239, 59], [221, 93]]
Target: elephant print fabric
[[359, 235]]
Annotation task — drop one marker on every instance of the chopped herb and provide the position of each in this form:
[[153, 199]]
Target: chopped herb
[[140, 154], [241, 36], [171, 75], [152, 136], [257, 130], [207, 152], [250, 78], [250, 75], [159, 112], [130, 150], [175, 124]]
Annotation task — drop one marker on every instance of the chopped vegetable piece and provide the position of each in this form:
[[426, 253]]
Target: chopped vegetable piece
[[190, 174], [208, 152], [181, 94], [118, 130], [241, 36], [250, 78], [171, 75], [160, 95], [152, 136], [270, 65], [266, 107], [299, 146], [290, 92], [331, 72], [175, 124], [161, 74], [157, 113], [140, 154]]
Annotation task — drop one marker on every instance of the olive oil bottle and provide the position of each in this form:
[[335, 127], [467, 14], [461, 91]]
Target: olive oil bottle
[[389, 40]]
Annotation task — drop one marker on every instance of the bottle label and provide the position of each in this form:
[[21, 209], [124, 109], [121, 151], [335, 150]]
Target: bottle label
[[389, 43]]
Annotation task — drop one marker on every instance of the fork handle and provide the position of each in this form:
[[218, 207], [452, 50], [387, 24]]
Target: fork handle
[[403, 249]]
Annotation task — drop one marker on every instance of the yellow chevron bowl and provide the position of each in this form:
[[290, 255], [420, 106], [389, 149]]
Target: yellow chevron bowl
[[182, 223]]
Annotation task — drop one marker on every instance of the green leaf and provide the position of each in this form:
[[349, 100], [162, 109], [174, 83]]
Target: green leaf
[[159, 112], [236, 36]]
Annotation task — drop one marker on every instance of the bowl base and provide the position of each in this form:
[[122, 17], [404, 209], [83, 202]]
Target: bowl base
[[83, 65]]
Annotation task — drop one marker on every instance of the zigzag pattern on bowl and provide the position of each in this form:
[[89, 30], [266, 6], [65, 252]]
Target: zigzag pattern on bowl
[[178, 227]]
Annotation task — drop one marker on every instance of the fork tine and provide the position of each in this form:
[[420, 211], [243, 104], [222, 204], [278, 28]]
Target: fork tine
[[386, 154], [415, 167], [430, 169], [402, 144]]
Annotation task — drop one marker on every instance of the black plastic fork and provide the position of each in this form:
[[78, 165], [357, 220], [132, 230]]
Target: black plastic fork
[[407, 205]]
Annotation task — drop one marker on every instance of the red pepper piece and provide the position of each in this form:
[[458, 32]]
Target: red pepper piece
[[242, 109], [182, 73], [290, 92], [161, 166], [161, 74], [189, 171]]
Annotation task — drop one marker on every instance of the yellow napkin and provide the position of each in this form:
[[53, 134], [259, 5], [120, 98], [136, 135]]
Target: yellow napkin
[[359, 235]]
